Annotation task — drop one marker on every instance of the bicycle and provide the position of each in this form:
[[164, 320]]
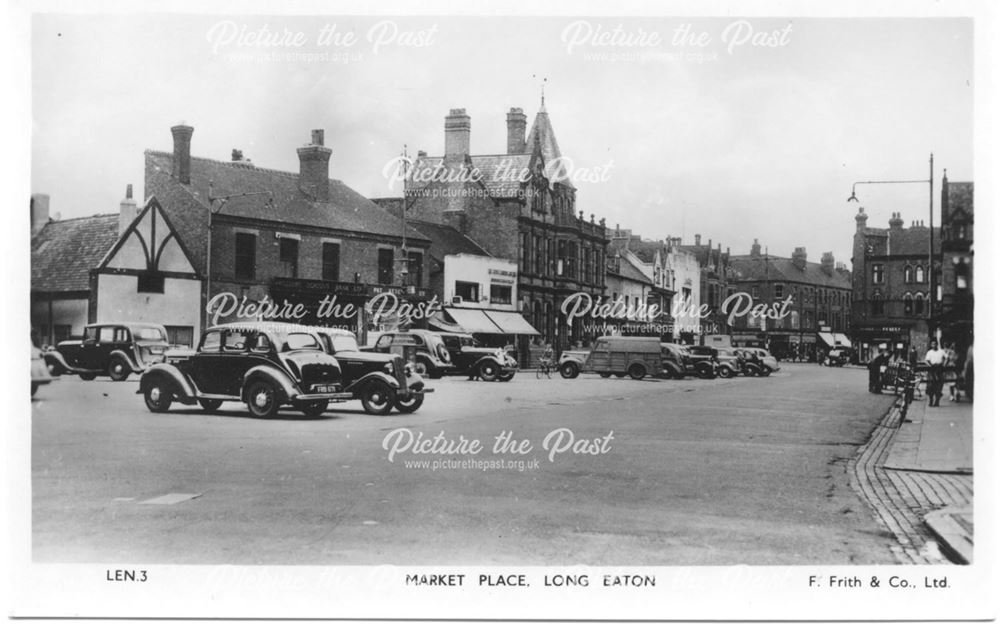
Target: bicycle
[[545, 367]]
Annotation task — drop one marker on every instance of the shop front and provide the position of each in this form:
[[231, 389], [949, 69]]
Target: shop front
[[870, 339]]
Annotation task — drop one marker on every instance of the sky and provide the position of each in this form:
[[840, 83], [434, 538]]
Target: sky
[[730, 128]]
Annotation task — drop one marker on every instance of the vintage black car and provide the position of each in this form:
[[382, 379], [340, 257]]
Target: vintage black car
[[469, 358], [381, 381], [112, 349], [425, 349], [265, 365], [705, 360]]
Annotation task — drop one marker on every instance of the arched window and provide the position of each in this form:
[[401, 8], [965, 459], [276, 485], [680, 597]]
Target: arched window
[[908, 274], [920, 274], [878, 305], [918, 304], [908, 304]]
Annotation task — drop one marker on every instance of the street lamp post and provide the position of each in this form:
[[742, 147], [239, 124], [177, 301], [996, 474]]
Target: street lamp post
[[931, 297]]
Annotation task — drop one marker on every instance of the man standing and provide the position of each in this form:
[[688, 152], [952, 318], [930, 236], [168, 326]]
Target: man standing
[[935, 359], [875, 370]]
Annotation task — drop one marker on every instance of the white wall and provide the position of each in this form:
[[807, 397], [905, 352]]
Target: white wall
[[180, 303], [483, 271], [687, 275]]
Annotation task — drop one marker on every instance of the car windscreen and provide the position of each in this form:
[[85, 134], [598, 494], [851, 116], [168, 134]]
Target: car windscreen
[[298, 340], [344, 343], [148, 333]]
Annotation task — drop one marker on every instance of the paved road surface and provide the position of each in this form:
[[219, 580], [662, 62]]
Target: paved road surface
[[698, 473]]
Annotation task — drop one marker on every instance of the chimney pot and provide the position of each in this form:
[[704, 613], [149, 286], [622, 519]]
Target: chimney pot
[[127, 210], [39, 211], [457, 134], [517, 124], [697, 239], [314, 168], [182, 152]]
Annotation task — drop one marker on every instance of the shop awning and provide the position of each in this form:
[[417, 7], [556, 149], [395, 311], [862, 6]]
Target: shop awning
[[842, 340], [511, 323], [473, 321], [827, 338]]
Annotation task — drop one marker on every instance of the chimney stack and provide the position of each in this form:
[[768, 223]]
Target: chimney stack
[[314, 168], [39, 211], [457, 132], [799, 257], [896, 222], [826, 263], [755, 249], [182, 153], [517, 125], [128, 210], [861, 219], [697, 239]]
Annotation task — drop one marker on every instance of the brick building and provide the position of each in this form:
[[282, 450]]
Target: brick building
[[651, 258], [716, 276], [957, 303], [891, 286], [299, 237], [818, 317], [518, 205]]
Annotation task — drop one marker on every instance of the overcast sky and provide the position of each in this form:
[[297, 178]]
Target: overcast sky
[[712, 135]]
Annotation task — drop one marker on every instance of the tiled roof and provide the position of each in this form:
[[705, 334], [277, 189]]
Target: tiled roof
[[63, 252], [770, 268], [960, 196], [544, 137], [645, 250], [346, 210], [446, 240]]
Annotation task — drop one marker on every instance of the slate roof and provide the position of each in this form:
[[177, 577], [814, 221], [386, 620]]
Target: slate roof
[[497, 173], [187, 205], [629, 271], [542, 134], [645, 250], [771, 268], [446, 240], [908, 240], [63, 252]]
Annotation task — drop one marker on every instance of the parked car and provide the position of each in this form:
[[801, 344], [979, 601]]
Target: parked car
[[265, 365], [731, 362], [39, 370], [381, 381], [705, 359], [769, 362], [677, 362], [468, 357], [635, 356], [112, 349], [425, 349], [838, 356]]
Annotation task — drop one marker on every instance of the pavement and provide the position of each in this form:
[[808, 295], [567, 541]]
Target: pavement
[[930, 461]]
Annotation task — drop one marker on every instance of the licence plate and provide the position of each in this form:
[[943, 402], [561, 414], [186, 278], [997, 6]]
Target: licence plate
[[325, 388]]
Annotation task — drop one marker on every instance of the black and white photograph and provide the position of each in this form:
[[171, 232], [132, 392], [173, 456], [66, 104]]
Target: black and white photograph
[[508, 311]]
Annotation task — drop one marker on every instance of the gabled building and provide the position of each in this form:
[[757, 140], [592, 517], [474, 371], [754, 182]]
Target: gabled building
[[518, 205], [891, 299], [715, 277], [269, 236], [628, 251], [818, 317]]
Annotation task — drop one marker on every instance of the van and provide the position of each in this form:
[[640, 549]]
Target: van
[[635, 356]]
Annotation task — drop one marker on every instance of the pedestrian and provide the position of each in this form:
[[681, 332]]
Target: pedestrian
[[935, 359], [968, 374], [875, 366]]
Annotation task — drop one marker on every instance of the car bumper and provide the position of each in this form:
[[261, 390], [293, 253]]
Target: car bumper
[[338, 396]]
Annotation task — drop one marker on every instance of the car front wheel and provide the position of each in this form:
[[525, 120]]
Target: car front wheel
[[725, 372], [262, 400], [410, 405], [488, 371], [118, 369], [378, 399], [158, 397], [569, 370]]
